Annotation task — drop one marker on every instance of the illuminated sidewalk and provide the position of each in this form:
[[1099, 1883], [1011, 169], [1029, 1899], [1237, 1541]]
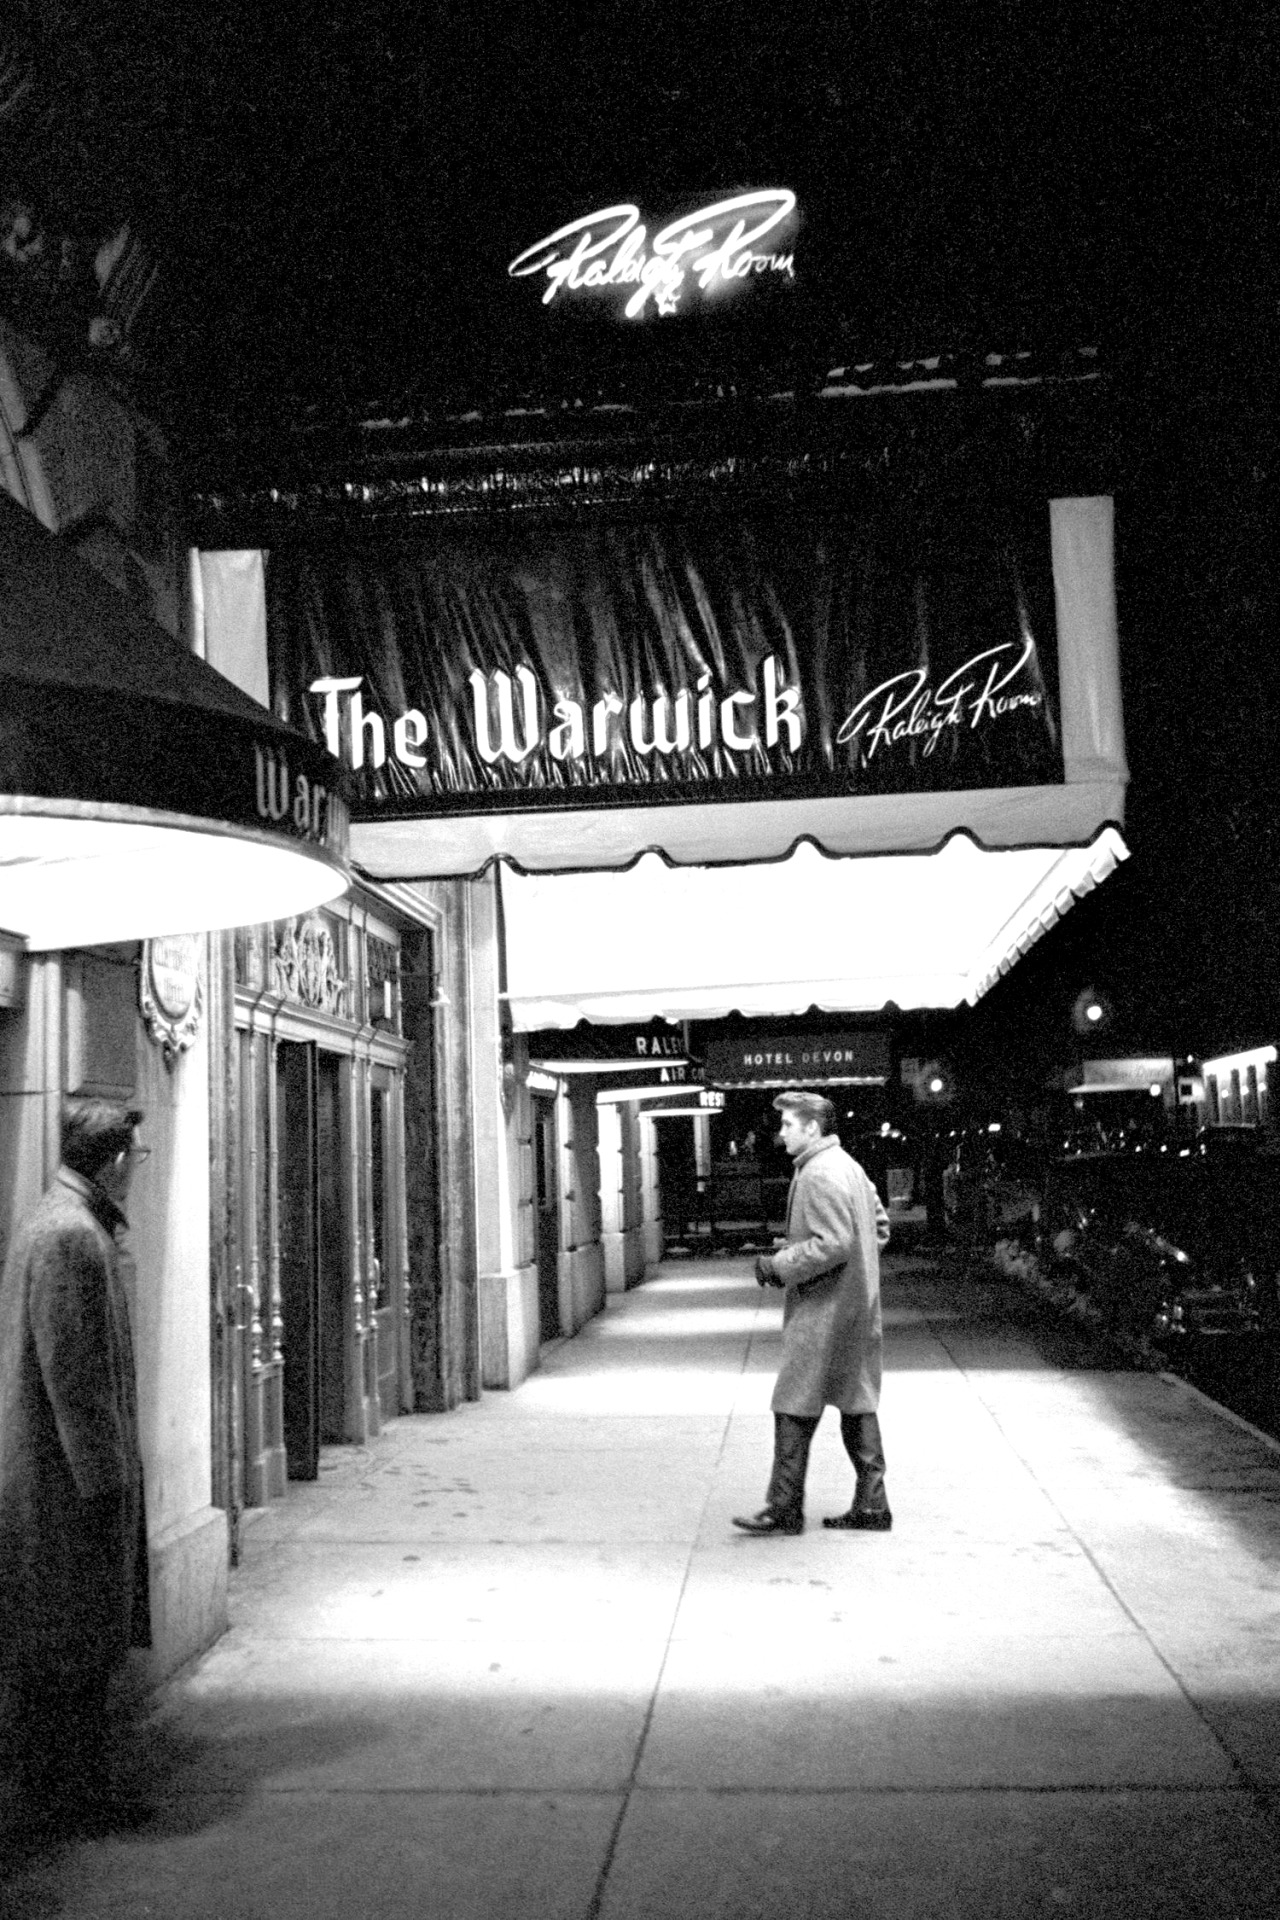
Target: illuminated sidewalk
[[515, 1661]]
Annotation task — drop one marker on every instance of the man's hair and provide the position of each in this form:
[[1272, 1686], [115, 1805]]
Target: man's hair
[[95, 1131], [809, 1106]]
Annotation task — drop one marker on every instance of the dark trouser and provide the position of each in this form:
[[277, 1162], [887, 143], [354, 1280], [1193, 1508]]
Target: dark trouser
[[861, 1435], [792, 1436]]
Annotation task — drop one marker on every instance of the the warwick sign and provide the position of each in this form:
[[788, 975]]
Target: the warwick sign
[[602, 665], [512, 720], [695, 257]]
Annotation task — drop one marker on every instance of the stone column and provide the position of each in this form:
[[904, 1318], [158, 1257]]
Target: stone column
[[507, 1288]]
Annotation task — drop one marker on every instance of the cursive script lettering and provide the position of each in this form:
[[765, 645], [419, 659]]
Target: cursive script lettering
[[717, 246], [906, 707]]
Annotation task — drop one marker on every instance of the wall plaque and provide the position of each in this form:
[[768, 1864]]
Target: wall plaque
[[170, 991]]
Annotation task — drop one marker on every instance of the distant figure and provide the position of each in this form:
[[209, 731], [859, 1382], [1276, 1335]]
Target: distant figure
[[73, 1569], [829, 1264]]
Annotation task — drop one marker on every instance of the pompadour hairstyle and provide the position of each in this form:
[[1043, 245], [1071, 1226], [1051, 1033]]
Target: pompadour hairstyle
[[809, 1106], [95, 1131]]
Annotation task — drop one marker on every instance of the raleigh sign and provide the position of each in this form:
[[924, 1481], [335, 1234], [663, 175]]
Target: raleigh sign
[[616, 1045], [704, 253]]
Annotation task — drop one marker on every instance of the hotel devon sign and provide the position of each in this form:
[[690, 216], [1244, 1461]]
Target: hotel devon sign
[[615, 254]]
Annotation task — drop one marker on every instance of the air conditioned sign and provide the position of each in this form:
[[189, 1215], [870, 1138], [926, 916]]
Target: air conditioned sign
[[687, 1073]]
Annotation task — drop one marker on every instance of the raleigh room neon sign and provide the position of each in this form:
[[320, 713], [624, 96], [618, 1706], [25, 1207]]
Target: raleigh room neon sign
[[715, 248]]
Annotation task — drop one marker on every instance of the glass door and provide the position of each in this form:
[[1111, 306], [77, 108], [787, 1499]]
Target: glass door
[[385, 1264], [546, 1206]]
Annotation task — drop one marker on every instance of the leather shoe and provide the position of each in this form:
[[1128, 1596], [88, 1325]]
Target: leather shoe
[[856, 1522], [767, 1521]]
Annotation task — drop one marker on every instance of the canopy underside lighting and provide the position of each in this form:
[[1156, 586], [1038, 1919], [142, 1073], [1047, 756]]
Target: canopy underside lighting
[[88, 880], [841, 935]]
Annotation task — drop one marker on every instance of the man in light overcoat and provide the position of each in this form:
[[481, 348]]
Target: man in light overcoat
[[829, 1266], [73, 1585]]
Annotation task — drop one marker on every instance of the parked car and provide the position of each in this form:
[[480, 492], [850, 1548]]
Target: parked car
[[990, 1184], [1168, 1248]]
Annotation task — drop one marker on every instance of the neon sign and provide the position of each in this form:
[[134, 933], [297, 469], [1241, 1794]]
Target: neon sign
[[715, 248]]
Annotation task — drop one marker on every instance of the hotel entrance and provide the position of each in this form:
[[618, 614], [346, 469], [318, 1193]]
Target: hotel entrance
[[318, 1191]]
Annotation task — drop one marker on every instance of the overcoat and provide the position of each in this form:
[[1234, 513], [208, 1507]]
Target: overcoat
[[73, 1585], [830, 1266]]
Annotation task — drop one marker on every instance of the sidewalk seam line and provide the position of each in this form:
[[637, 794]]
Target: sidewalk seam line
[[1254, 1788], [596, 1904]]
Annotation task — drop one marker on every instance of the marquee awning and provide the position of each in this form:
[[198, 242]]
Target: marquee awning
[[809, 931], [569, 699], [140, 792], [730, 765], [910, 899]]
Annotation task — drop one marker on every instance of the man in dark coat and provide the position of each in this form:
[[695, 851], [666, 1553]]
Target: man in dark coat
[[829, 1265], [73, 1570]]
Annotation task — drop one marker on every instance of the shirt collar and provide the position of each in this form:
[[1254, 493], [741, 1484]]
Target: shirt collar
[[100, 1204]]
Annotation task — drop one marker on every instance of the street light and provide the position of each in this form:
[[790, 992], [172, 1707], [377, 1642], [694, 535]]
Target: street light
[[1091, 1011]]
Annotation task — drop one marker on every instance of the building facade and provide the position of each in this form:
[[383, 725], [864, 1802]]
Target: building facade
[[356, 1207], [85, 466]]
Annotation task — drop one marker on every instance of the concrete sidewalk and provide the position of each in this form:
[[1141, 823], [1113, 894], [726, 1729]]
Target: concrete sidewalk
[[515, 1660]]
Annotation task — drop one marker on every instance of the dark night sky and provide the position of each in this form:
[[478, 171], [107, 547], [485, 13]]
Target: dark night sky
[[326, 182], [331, 185], [334, 177]]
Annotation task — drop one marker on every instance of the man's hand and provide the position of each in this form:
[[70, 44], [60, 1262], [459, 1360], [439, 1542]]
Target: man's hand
[[766, 1273]]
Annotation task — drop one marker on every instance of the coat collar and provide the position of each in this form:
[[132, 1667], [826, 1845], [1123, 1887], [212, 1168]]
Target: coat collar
[[822, 1144], [101, 1206]]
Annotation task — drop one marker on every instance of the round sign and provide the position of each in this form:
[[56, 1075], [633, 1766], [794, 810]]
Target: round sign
[[175, 973], [170, 990]]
